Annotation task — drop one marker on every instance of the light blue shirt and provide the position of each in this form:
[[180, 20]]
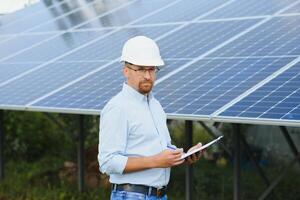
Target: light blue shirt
[[132, 125]]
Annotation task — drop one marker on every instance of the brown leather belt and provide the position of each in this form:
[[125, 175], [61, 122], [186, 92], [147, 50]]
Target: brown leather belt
[[146, 190]]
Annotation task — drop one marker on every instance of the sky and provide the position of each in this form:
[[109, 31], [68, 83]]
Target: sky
[[9, 6]]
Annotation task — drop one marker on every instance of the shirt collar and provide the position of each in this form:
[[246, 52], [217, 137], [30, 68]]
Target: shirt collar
[[132, 92]]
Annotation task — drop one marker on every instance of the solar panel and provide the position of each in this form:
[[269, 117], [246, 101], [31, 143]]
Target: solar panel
[[43, 81], [277, 99], [10, 70], [207, 85], [18, 43], [294, 9], [42, 18], [109, 47], [126, 15], [74, 18], [279, 36], [198, 38], [94, 91], [185, 11], [220, 55], [55, 46], [246, 8]]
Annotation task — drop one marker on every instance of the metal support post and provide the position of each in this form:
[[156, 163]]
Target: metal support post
[[189, 168], [290, 142], [278, 179], [236, 162], [256, 164], [80, 154]]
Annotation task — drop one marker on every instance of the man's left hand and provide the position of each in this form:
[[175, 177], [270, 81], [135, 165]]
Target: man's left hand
[[196, 156]]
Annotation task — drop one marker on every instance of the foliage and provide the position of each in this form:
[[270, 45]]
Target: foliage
[[36, 147]]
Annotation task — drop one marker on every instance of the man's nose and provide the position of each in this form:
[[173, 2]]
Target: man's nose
[[147, 74]]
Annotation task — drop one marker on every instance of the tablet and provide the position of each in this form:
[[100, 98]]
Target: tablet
[[184, 155]]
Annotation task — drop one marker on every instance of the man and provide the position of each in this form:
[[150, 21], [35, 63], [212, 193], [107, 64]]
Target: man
[[135, 147]]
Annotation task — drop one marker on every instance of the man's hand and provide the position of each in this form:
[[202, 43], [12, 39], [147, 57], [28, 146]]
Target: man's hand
[[196, 156], [168, 158]]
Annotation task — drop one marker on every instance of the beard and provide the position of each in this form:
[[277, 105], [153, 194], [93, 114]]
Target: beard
[[145, 87]]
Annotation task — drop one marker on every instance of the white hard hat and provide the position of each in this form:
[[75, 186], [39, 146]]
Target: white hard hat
[[143, 51]]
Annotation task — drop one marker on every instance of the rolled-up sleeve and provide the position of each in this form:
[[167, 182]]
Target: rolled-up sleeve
[[112, 140]]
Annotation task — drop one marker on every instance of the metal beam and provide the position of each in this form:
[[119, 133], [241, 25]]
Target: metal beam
[[1, 145], [189, 168], [290, 142], [278, 179], [236, 162], [256, 164], [80, 154]]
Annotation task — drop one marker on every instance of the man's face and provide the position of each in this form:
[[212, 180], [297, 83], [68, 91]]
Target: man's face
[[141, 78]]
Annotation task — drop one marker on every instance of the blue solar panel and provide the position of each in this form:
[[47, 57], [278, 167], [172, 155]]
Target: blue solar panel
[[197, 38], [95, 90], [18, 43], [245, 8], [21, 14], [74, 18], [42, 81], [10, 70], [42, 18], [109, 48], [56, 47], [128, 14], [277, 99], [207, 85], [279, 36], [294, 9], [183, 11], [215, 51], [4, 38]]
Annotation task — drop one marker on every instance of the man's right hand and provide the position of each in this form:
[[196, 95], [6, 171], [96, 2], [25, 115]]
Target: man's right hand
[[168, 158]]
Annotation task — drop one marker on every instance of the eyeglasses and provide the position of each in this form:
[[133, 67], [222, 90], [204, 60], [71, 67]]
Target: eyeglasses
[[143, 70]]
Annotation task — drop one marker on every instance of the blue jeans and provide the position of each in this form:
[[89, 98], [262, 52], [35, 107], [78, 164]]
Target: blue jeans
[[124, 195]]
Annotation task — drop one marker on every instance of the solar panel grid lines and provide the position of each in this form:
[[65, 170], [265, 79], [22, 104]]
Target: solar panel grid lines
[[122, 17], [277, 99], [244, 8], [207, 53], [46, 40], [55, 46], [95, 89], [277, 37], [73, 29], [63, 86], [43, 17], [194, 20], [62, 16], [23, 14], [80, 16], [12, 69], [187, 10], [63, 55], [295, 9], [211, 83], [256, 87], [12, 47], [38, 83], [88, 85]]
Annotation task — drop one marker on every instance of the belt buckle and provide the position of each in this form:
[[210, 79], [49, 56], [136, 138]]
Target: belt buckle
[[159, 192]]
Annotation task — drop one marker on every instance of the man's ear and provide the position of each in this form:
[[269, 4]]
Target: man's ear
[[125, 71]]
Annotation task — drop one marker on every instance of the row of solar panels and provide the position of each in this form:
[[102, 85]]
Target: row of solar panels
[[227, 69]]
